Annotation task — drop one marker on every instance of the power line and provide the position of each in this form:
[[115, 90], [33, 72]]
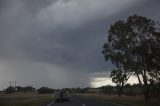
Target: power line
[[13, 83]]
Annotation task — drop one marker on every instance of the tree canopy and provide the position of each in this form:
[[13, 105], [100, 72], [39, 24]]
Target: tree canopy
[[134, 46]]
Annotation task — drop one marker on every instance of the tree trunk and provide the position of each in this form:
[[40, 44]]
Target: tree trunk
[[145, 87], [146, 93], [120, 91], [139, 79]]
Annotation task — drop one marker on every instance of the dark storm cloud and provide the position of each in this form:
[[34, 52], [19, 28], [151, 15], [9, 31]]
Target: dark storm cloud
[[59, 42]]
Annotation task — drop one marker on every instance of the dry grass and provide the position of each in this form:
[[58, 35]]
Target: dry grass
[[23, 99], [127, 100]]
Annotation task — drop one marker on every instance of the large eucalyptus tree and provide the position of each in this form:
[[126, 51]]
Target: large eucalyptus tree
[[133, 46]]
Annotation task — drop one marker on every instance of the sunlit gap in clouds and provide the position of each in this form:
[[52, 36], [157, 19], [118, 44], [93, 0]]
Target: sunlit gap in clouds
[[101, 81], [98, 82]]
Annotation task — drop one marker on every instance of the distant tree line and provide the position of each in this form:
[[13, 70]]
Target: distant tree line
[[12, 89], [133, 46], [45, 90], [42, 90], [128, 89]]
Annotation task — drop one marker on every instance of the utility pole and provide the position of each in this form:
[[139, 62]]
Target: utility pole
[[15, 82], [10, 83]]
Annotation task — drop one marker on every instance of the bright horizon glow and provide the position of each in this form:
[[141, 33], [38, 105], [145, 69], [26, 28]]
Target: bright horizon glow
[[98, 82]]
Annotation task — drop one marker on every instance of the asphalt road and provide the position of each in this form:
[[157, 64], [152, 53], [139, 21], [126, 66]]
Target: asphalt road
[[83, 101]]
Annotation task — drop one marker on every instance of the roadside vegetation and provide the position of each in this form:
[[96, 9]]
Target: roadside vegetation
[[133, 46], [26, 96], [24, 99], [124, 100]]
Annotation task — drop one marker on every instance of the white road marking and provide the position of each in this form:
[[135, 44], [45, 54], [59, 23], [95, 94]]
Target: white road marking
[[51, 103], [116, 103], [78, 101], [83, 105]]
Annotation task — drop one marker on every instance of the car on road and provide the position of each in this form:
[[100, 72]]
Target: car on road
[[61, 95]]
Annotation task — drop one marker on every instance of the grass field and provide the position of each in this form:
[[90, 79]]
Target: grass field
[[24, 99], [126, 100]]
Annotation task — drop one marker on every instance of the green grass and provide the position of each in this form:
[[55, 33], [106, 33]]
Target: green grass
[[27, 99]]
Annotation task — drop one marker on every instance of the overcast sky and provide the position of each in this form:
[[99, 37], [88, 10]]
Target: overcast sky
[[58, 43]]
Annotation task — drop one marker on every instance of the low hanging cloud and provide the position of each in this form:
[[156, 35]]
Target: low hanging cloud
[[58, 43], [73, 13]]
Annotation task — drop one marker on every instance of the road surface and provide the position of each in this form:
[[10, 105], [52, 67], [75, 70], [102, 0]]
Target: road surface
[[83, 101]]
